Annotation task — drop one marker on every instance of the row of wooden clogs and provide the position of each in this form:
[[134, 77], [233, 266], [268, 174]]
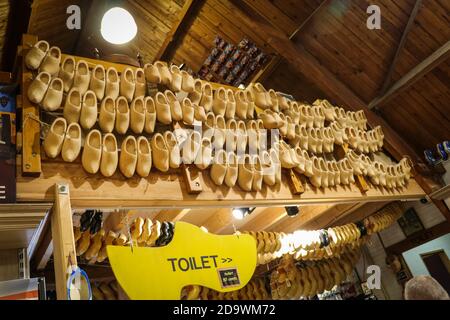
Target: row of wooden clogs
[[389, 176], [317, 244], [105, 290], [139, 116], [255, 289], [291, 282], [345, 118]]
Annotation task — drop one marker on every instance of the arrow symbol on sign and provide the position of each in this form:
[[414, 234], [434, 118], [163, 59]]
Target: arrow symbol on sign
[[225, 260]]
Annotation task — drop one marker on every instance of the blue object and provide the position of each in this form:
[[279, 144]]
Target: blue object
[[80, 276], [429, 156], [446, 145], [441, 151], [7, 100]]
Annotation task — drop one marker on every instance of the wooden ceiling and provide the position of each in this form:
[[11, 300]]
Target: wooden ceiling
[[333, 33]]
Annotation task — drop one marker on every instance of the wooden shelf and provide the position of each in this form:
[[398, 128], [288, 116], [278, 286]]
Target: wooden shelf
[[37, 177], [168, 190]]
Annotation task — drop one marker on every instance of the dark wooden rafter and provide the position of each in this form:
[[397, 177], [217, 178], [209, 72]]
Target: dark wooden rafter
[[18, 19], [179, 27], [419, 238], [44, 246], [172, 214], [424, 67], [273, 15], [401, 44], [276, 60]]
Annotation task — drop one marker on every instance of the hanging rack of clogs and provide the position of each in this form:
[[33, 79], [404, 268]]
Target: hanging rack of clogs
[[127, 137]]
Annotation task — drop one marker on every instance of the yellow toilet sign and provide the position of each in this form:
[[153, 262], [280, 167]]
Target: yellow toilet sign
[[193, 257]]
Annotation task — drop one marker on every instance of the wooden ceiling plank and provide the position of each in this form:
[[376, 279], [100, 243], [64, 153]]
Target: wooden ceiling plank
[[434, 60], [358, 213], [178, 27], [307, 213], [44, 248], [237, 224], [173, 215], [273, 15], [264, 73], [265, 219], [401, 44], [219, 220]]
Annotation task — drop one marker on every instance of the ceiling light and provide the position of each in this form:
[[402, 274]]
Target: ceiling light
[[118, 26], [238, 213]]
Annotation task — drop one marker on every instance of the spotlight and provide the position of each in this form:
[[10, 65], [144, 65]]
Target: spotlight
[[238, 213], [292, 211]]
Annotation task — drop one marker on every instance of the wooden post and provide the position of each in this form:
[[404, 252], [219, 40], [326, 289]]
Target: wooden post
[[64, 252], [31, 148]]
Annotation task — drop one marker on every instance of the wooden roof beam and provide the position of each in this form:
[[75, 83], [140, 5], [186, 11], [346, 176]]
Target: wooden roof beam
[[307, 213], [322, 216], [276, 60], [178, 28], [266, 218], [238, 224], [434, 60], [219, 220], [359, 213], [401, 44], [173, 215], [273, 15]]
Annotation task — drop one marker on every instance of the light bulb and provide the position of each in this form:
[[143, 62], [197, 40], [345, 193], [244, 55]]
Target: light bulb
[[118, 26], [238, 214]]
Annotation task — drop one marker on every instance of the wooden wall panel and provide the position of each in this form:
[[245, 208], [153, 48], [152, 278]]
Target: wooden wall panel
[[9, 265], [48, 21], [4, 13]]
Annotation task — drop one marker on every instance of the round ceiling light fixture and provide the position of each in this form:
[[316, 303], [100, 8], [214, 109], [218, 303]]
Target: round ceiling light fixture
[[118, 26], [238, 213]]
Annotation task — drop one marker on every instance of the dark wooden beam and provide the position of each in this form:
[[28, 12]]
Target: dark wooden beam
[[18, 19], [419, 238], [434, 60], [360, 213], [180, 26], [273, 15], [276, 60], [401, 44], [44, 247]]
